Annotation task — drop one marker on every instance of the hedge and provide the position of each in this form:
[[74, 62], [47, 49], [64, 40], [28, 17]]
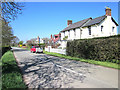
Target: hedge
[[102, 49]]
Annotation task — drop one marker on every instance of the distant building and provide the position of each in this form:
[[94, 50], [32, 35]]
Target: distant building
[[39, 40], [55, 38], [34, 41]]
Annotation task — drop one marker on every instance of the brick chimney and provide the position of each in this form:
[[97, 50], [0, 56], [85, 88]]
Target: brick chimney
[[38, 39], [69, 22], [108, 11], [51, 36]]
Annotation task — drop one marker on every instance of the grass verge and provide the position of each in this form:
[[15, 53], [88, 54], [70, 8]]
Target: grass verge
[[11, 74], [106, 64]]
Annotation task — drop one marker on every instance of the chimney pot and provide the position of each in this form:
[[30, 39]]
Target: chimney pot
[[69, 22], [108, 11], [51, 36]]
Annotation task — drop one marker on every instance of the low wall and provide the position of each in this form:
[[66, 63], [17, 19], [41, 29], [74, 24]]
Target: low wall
[[60, 51]]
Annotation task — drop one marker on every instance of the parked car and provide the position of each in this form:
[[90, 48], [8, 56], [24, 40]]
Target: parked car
[[36, 49]]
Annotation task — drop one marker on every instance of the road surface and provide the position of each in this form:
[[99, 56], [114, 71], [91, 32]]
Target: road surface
[[45, 71]]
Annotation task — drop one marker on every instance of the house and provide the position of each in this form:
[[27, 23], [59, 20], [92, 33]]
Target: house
[[102, 26], [55, 38], [39, 40], [35, 41]]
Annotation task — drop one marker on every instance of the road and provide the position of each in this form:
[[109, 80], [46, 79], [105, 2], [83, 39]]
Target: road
[[45, 71]]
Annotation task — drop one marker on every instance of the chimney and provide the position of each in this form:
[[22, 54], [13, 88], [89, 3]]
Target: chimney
[[51, 36], [38, 39], [108, 11], [69, 22]]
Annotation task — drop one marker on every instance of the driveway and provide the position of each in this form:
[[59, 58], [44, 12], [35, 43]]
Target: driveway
[[45, 71]]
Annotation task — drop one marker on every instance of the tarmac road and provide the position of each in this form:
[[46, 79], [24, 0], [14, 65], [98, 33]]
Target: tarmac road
[[45, 71]]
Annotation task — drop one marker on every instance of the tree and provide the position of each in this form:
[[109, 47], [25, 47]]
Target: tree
[[20, 42], [46, 40], [7, 34], [10, 10], [15, 41]]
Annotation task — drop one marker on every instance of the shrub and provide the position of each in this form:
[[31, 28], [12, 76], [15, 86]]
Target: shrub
[[5, 49], [42, 45], [65, 38], [102, 49]]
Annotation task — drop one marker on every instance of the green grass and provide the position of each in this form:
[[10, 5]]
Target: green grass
[[11, 75], [106, 64]]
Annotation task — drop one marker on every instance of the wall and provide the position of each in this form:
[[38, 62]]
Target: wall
[[96, 29], [60, 51], [107, 29]]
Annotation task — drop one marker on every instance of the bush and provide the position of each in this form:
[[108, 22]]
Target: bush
[[5, 49], [102, 49], [42, 45]]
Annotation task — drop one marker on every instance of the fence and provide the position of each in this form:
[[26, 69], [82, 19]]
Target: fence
[[60, 51]]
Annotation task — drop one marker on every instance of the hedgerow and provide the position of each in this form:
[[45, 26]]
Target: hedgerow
[[101, 49]]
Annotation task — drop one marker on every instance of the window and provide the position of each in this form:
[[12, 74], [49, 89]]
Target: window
[[113, 29], [74, 32], [89, 28], [64, 34], [81, 31], [69, 33], [101, 28]]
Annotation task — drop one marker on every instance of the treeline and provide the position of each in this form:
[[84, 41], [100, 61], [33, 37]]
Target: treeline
[[100, 49], [8, 12], [8, 38]]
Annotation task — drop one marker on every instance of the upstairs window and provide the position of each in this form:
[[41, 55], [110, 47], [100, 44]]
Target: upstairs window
[[89, 29], [101, 28], [113, 29]]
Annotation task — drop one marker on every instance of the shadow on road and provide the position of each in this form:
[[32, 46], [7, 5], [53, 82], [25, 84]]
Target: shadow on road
[[43, 71]]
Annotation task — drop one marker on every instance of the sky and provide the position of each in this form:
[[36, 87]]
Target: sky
[[45, 18]]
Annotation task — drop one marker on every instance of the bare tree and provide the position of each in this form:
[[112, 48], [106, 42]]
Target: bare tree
[[10, 10]]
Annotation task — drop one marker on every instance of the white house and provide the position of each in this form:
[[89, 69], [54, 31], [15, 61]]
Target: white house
[[39, 40], [89, 28]]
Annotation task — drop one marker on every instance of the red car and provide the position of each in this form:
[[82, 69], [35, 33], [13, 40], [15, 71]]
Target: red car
[[36, 49]]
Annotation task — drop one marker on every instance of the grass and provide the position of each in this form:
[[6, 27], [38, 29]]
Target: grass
[[11, 74], [106, 64]]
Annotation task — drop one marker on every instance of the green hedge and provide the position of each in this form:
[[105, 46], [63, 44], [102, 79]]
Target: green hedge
[[102, 49]]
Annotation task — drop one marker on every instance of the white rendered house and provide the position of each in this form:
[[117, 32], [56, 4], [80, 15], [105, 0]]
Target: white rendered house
[[102, 26]]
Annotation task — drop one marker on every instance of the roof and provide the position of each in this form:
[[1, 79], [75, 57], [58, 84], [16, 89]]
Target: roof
[[95, 21], [114, 22], [75, 25], [84, 22]]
